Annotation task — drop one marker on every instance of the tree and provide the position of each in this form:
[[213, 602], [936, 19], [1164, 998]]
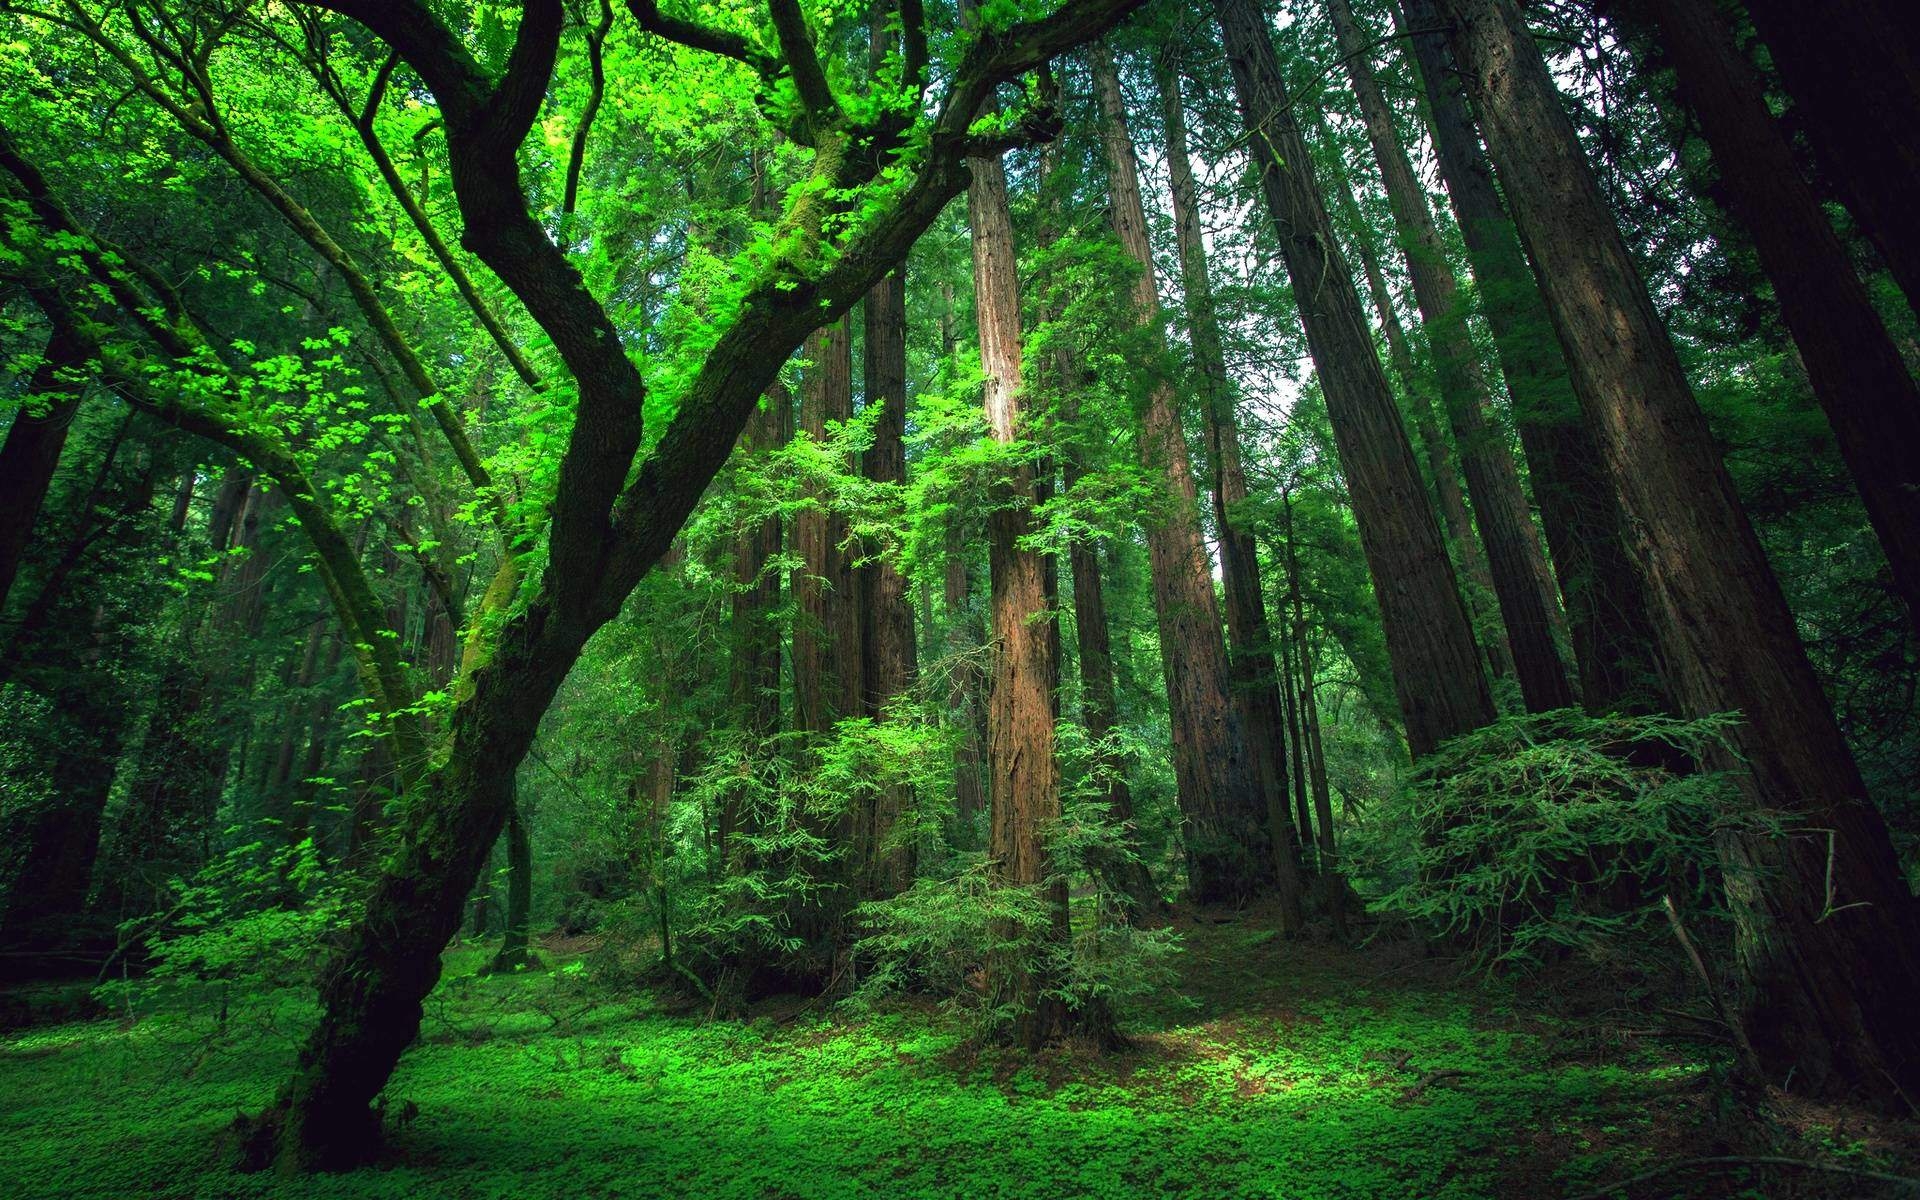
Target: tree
[[1611, 631], [1519, 569], [1853, 70], [1824, 917], [1023, 771], [1228, 840], [608, 521], [1254, 684], [1856, 371], [1436, 668]]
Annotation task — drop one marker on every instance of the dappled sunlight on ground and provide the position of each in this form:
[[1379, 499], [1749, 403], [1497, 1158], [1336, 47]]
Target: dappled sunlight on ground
[[1295, 1069]]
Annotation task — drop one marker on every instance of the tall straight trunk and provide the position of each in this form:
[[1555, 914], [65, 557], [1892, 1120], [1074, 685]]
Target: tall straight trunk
[[1127, 877], [965, 682], [1826, 947], [1521, 582], [515, 952], [1608, 620], [1251, 662], [826, 630], [1855, 369], [55, 839], [1437, 676], [1025, 776], [1229, 850], [1855, 80], [1471, 559], [886, 612], [1338, 896], [753, 683], [32, 449], [1296, 735]]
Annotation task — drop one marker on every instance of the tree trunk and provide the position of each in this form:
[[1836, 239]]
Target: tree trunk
[[1468, 554], [1333, 885], [1824, 921], [754, 668], [1127, 878], [1024, 788], [826, 630], [1856, 371], [886, 613], [1437, 676], [1254, 683], [32, 450], [964, 683], [1855, 82], [1611, 629], [373, 994], [1521, 581], [55, 839], [1229, 855], [515, 953]]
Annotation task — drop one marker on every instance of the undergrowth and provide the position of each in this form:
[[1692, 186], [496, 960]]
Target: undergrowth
[[1291, 1070]]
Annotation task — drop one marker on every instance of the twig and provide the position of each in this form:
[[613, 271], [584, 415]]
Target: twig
[[1749, 1060], [1744, 1160]]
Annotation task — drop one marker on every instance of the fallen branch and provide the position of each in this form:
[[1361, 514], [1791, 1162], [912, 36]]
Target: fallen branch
[[1743, 1160]]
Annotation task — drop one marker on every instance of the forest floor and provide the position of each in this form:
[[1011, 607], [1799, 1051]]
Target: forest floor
[[1293, 1069]]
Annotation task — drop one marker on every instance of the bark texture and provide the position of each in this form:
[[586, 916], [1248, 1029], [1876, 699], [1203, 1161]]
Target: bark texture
[[1229, 854], [1255, 685], [1853, 70], [826, 630], [1437, 677], [32, 448], [1825, 925], [1856, 370], [886, 612], [1022, 770], [1521, 581], [1610, 628], [1469, 557]]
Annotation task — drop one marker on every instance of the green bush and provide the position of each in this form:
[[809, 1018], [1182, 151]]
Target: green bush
[[951, 936], [1553, 830], [259, 917]]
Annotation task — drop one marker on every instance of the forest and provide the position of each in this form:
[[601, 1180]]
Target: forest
[[797, 599]]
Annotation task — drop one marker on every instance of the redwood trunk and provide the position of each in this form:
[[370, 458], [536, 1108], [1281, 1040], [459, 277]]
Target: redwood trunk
[[1856, 371], [1129, 878], [1024, 788], [1437, 677], [1825, 931], [754, 674], [1610, 627], [826, 631], [886, 613], [1469, 557], [1853, 70], [1229, 853], [1254, 682], [1521, 581], [32, 450]]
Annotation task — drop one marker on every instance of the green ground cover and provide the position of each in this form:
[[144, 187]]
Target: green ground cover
[[1296, 1071]]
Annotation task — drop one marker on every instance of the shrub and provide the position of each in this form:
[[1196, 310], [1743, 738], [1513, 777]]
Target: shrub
[[1554, 830]]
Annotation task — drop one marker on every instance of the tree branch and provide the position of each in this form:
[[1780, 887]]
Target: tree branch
[[696, 36], [796, 46]]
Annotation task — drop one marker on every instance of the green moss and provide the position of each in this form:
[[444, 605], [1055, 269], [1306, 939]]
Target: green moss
[[1289, 1084]]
